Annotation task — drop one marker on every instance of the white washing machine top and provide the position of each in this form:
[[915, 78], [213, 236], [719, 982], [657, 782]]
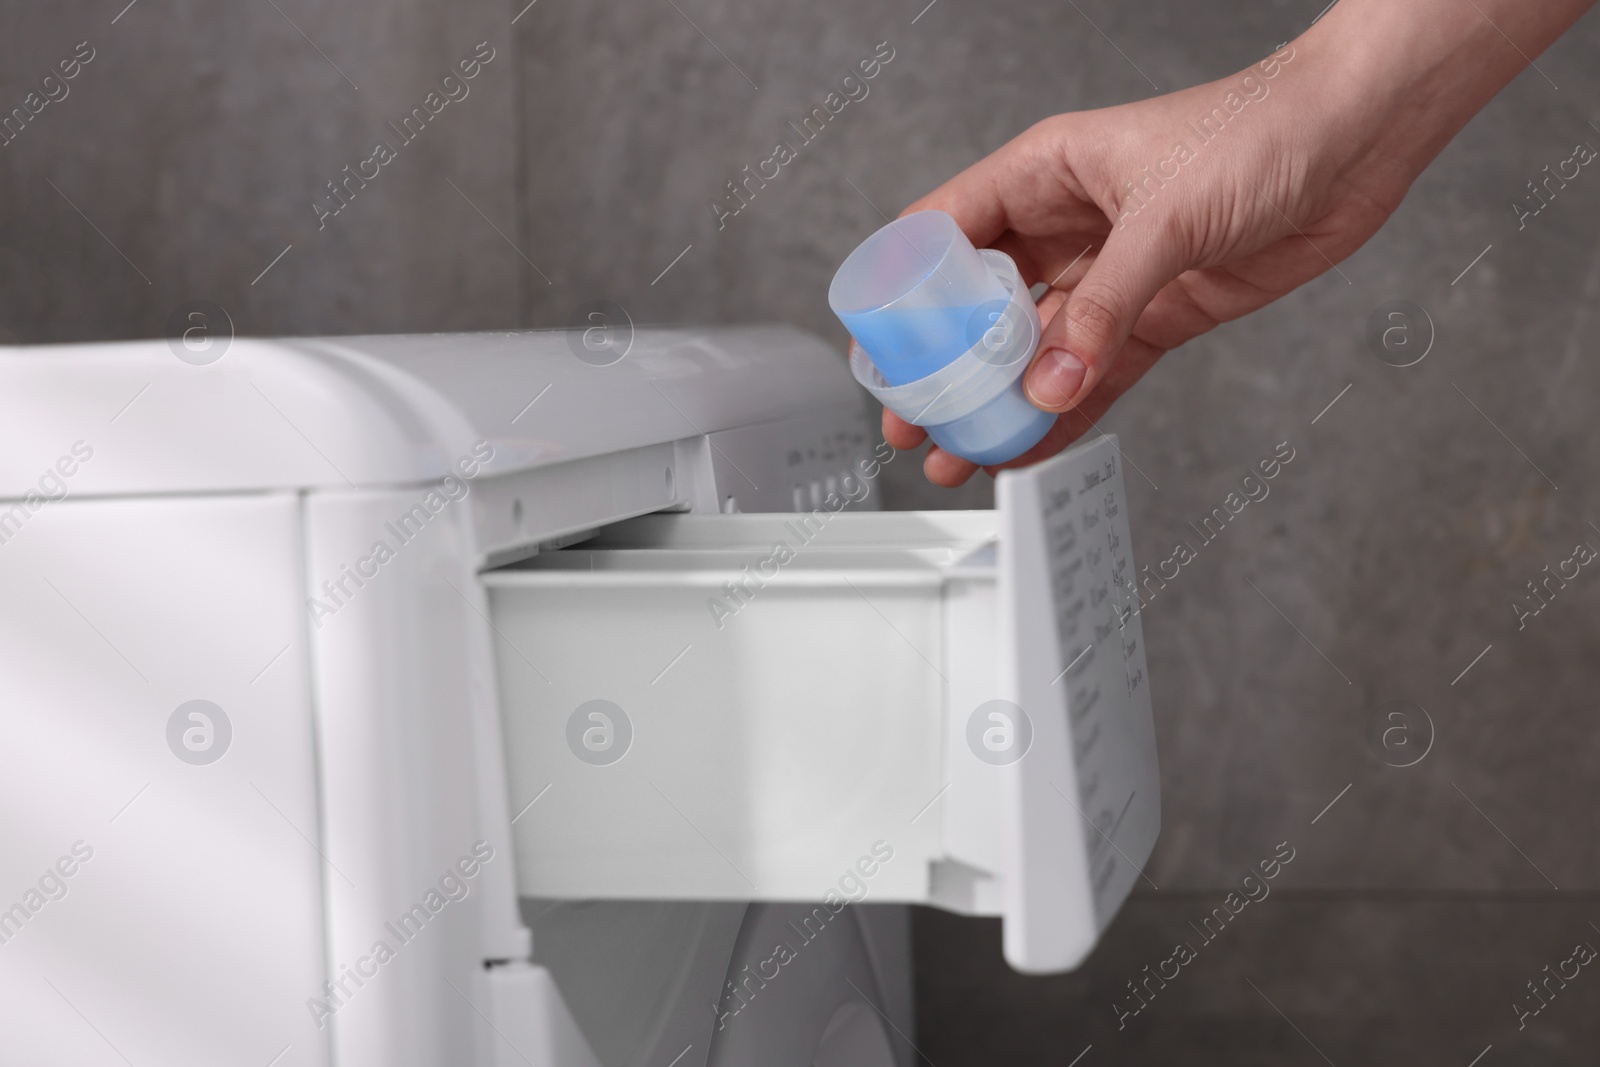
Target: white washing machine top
[[341, 412]]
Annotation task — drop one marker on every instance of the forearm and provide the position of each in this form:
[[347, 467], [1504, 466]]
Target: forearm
[[1397, 79]]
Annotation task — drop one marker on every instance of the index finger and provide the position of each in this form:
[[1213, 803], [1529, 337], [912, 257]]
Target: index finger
[[973, 199]]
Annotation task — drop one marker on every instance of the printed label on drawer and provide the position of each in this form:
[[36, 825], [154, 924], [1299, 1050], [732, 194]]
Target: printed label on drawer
[[1102, 644], [1088, 798]]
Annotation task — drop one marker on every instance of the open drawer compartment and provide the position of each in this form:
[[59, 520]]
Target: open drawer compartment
[[947, 708]]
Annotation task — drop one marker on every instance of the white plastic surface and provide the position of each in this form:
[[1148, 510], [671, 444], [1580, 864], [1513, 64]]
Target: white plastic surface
[[769, 753], [1079, 814], [794, 700], [192, 931], [346, 412], [407, 759]]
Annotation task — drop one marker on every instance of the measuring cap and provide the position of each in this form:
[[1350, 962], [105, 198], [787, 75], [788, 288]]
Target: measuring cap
[[943, 332]]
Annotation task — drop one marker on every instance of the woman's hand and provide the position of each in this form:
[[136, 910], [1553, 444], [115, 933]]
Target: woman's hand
[[1153, 222]]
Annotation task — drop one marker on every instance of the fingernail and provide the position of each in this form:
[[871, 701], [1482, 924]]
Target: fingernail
[[1055, 379]]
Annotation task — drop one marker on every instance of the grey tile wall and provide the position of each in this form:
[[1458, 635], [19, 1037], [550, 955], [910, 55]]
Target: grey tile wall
[[1385, 561], [187, 155]]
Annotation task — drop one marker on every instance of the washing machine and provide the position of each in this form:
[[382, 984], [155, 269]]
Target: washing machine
[[541, 698]]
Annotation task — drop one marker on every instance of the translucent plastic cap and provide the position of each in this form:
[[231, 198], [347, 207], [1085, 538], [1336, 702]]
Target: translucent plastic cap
[[912, 293]]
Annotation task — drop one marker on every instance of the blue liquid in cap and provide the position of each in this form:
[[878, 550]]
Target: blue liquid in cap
[[918, 297], [908, 345]]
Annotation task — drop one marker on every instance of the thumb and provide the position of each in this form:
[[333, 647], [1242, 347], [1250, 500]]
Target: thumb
[[1082, 341]]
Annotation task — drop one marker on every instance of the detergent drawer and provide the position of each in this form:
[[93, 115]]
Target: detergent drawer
[[934, 707]]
